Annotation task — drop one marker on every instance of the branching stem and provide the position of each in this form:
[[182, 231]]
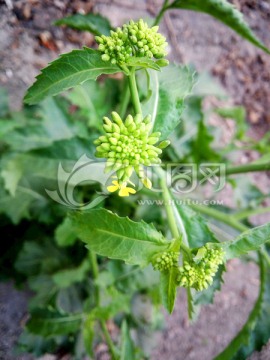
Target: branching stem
[[105, 331], [161, 13], [218, 215]]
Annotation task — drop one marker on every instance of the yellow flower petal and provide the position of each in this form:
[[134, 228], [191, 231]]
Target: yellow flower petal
[[112, 188], [130, 190], [123, 192]]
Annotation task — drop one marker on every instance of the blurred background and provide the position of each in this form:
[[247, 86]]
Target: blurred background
[[29, 40]]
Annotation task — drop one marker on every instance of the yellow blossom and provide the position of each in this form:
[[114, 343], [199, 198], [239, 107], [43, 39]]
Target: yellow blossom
[[124, 190]]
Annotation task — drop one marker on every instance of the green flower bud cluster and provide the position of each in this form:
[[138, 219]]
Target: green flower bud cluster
[[146, 41], [165, 261], [133, 39], [199, 273], [128, 146], [115, 48]]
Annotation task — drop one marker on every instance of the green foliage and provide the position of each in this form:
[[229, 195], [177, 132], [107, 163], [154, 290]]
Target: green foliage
[[94, 100], [143, 62], [168, 288], [94, 23], [49, 323], [76, 67], [169, 88], [197, 231], [249, 240], [64, 233], [87, 268], [135, 243], [127, 348], [224, 12], [65, 278], [255, 333]]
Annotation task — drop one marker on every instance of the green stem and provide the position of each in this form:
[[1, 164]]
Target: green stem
[[160, 14], [265, 255], [250, 212], [169, 207], [95, 271], [242, 169], [218, 215], [169, 210], [125, 100], [108, 339], [247, 168], [134, 91]]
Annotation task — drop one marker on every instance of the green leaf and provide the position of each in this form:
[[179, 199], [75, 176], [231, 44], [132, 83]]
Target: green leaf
[[34, 344], [183, 138], [256, 331], [127, 348], [224, 12], [51, 322], [196, 227], [168, 288], [207, 85], [64, 234], [95, 100], [118, 238], [6, 126], [65, 278], [44, 164], [67, 71], [39, 133], [44, 288], [39, 257], [17, 208], [114, 302], [70, 299], [143, 62], [204, 141], [169, 89], [249, 240], [94, 23]]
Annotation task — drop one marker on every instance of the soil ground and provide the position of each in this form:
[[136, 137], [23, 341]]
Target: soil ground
[[28, 42]]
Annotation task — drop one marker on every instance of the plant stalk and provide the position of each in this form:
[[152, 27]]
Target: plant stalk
[[95, 271], [168, 203], [161, 13], [108, 339], [242, 169], [134, 92], [125, 100], [247, 168], [250, 212], [218, 215], [169, 210]]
